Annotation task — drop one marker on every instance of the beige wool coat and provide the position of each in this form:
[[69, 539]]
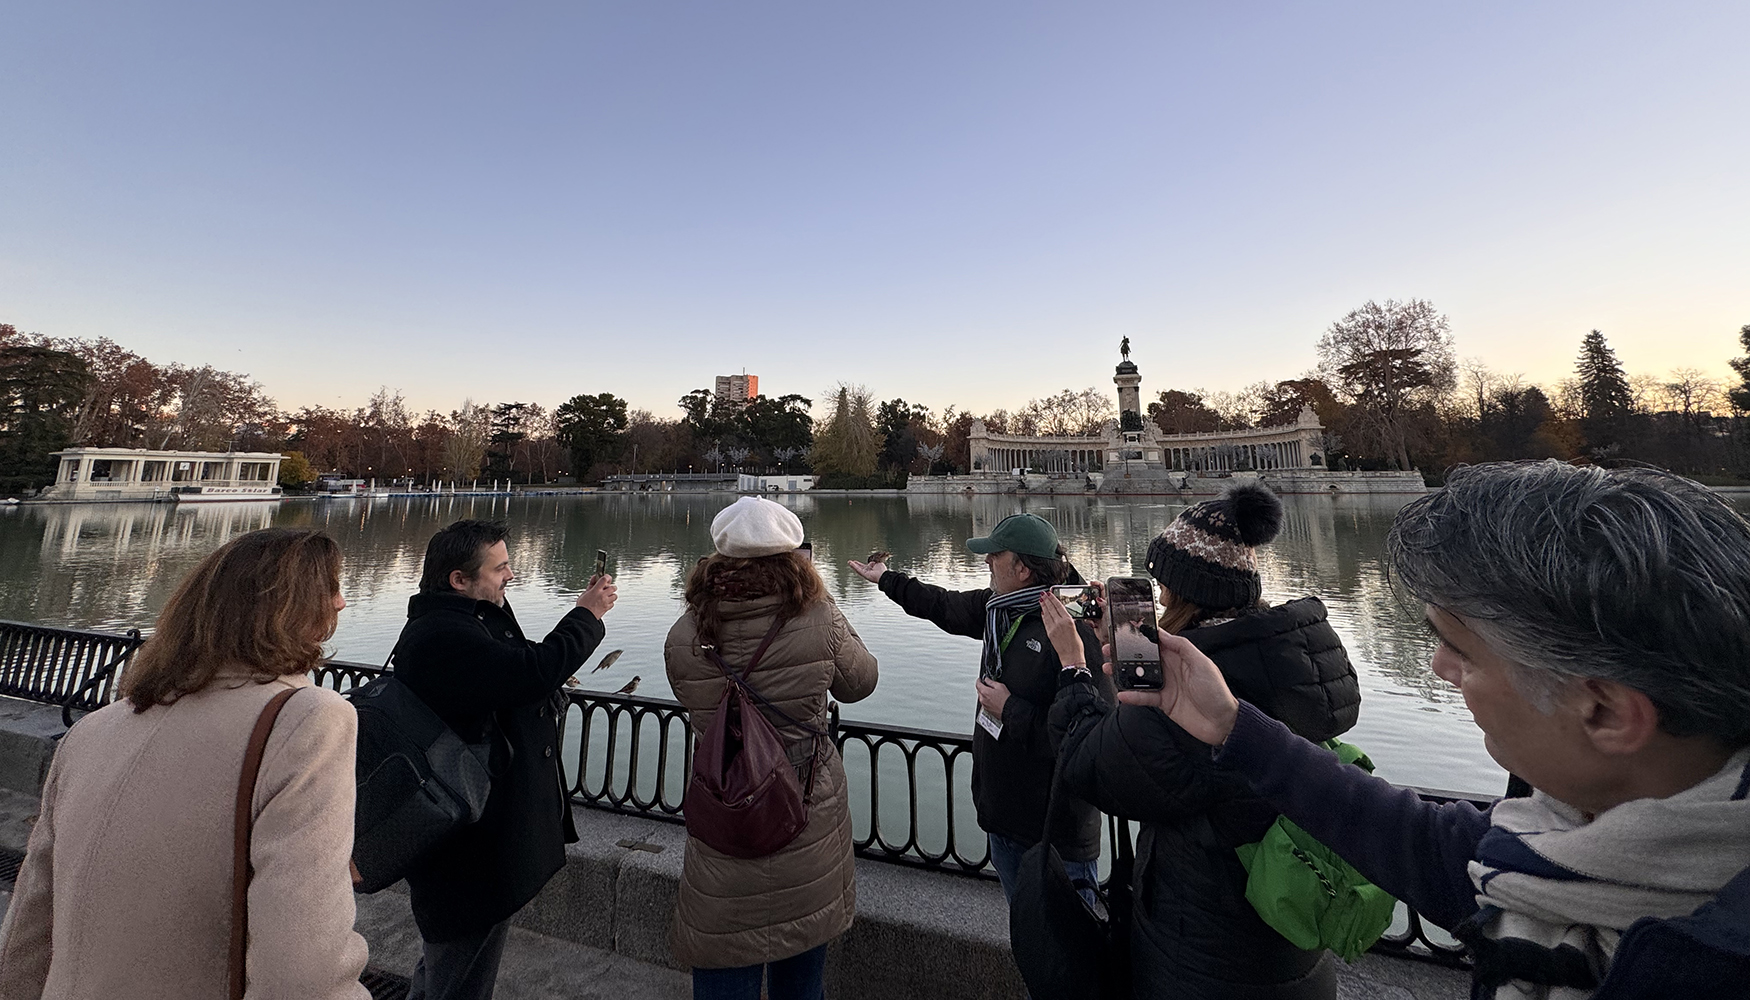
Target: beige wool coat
[[126, 888], [734, 911]]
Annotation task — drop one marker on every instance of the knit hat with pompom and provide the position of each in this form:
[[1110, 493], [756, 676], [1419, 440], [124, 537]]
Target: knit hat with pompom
[[1205, 556]]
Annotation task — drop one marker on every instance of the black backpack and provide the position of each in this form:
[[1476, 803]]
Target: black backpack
[[417, 782]]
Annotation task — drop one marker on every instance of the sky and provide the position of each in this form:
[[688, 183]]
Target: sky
[[963, 203]]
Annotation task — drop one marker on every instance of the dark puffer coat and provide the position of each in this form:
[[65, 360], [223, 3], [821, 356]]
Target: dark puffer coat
[[1194, 934]]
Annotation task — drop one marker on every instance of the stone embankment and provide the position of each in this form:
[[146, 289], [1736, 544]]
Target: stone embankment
[[1285, 481], [599, 929]]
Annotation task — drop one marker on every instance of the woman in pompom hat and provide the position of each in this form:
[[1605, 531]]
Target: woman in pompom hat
[[738, 920], [1194, 934]]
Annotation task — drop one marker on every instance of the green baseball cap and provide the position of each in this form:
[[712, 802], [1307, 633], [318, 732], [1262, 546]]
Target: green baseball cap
[[1028, 534]]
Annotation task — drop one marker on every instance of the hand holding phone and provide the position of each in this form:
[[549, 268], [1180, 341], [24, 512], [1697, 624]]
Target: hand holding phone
[[1136, 655]]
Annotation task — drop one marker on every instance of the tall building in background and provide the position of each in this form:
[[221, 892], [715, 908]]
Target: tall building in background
[[737, 388]]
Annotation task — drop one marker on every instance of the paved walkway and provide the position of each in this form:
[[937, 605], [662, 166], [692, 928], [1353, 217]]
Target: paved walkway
[[537, 967]]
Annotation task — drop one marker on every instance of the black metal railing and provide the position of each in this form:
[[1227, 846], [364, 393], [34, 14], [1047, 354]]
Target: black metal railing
[[72, 668], [633, 754]]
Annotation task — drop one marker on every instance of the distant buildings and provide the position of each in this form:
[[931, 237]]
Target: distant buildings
[[737, 388]]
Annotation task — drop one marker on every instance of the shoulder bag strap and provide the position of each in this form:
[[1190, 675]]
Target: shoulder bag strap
[[740, 680], [241, 828], [716, 658]]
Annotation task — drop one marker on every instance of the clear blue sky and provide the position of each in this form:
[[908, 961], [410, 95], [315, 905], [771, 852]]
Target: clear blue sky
[[949, 202]]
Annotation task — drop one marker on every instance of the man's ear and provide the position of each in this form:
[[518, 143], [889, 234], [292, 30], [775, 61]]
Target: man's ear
[[1618, 719], [459, 580]]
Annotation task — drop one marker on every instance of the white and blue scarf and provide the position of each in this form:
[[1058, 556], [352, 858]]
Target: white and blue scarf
[[1001, 615], [1557, 891]]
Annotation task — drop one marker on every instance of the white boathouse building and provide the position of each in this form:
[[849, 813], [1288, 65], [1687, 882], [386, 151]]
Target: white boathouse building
[[185, 476]]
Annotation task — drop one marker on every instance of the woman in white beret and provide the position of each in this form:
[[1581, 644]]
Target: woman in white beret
[[741, 919]]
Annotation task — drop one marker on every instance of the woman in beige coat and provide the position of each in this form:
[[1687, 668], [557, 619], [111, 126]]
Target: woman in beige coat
[[126, 888], [738, 919]]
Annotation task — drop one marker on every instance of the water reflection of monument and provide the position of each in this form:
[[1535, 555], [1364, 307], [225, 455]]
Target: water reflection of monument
[[1132, 455]]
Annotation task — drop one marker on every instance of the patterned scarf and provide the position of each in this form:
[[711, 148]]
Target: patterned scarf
[[1001, 613], [1557, 892]]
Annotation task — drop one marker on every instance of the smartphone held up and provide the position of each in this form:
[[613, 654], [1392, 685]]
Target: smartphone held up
[[1136, 654], [601, 566], [1079, 599]]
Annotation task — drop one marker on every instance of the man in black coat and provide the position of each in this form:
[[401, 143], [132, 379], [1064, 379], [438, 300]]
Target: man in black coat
[[1019, 677], [463, 653]]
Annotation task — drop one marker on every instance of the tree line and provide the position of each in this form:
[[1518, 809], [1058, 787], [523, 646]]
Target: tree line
[[1388, 388], [1391, 393]]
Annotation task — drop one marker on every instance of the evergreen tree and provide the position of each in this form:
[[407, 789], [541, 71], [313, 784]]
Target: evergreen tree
[[592, 428], [1604, 391], [847, 444], [1605, 398], [1740, 393], [40, 388]]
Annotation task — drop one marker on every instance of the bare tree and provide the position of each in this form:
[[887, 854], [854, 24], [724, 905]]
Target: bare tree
[[1648, 392], [931, 454], [1389, 359], [1692, 395], [470, 430]]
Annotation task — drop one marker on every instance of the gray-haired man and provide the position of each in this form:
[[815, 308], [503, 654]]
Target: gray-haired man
[[1597, 623]]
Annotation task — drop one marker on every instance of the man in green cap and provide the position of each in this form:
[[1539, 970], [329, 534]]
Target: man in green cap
[[1019, 675]]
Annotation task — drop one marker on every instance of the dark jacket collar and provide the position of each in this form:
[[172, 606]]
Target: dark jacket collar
[[420, 605]]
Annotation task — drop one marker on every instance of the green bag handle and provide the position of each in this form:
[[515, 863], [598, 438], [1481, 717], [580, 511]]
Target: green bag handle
[[1308, 894]]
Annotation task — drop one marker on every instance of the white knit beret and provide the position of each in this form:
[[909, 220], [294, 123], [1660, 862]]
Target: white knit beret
[[753, 527]]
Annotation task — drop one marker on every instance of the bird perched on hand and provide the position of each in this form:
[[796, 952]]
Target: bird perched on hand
[[631, 686], [607, 661]]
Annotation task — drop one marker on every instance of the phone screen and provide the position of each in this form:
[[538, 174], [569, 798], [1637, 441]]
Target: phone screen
[[1078, 599], [601, 564], [1136, 658]]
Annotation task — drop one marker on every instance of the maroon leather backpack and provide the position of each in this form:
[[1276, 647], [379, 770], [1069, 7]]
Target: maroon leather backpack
[[744, 799]]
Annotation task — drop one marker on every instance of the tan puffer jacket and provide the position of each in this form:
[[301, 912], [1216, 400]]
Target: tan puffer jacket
[[732, 911]]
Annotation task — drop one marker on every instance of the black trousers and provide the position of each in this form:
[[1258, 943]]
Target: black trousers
[[464, 969]]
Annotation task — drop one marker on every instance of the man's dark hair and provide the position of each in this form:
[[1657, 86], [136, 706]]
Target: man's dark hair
[[1049, 572], [461, 546]]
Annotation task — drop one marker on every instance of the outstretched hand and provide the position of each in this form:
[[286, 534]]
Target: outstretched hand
[[1194, 695], [870, 571]]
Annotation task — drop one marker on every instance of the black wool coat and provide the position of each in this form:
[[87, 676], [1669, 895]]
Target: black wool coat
[[1011, 776], [469, 661], [1194, 934]]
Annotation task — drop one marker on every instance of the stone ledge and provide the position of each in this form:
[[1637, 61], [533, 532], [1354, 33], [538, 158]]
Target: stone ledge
[[27, 743]]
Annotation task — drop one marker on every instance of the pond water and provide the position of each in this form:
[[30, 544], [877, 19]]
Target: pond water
[[111, 567]]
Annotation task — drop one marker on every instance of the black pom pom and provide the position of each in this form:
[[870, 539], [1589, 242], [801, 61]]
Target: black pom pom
[[1256, 512]]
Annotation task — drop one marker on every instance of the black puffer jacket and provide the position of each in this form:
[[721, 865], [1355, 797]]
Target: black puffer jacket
[[1195, 935]]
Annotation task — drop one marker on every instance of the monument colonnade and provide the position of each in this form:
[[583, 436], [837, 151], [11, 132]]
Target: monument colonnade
[[1285, 446]]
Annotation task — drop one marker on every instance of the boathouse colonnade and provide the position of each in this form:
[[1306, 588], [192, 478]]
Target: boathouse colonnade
[[141, 473]]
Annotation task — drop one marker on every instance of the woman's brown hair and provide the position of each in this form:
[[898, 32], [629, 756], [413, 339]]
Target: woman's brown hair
[[720, 578], [1178, 614], [264, 601]]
